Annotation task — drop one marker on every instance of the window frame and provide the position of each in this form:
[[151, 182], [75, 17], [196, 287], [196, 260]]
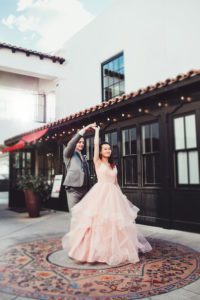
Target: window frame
[[152, 154], [185, 150], [22, 165], [40, 109], [123, 157], [102, 76]]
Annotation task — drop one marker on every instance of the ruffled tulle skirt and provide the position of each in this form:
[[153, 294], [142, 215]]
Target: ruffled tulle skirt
[[103, 228]]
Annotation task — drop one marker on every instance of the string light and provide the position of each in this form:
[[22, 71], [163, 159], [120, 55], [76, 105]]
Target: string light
[[189, 99], [49, 154], [163, 103]]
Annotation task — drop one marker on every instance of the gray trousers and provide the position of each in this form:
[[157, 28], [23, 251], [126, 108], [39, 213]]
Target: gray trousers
[[74, 195]]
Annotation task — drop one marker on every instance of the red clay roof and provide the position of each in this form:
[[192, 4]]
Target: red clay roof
[[29, 52], [111, 102]]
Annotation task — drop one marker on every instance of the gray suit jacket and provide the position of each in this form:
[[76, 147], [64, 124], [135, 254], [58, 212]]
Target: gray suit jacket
[[75, 176]]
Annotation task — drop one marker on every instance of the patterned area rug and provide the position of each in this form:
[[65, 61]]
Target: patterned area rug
[[27, 270]]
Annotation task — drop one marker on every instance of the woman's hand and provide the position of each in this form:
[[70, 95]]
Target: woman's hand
[[92, 125], [96, 128]]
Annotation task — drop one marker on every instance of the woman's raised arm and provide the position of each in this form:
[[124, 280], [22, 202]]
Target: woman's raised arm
[[96, 158]]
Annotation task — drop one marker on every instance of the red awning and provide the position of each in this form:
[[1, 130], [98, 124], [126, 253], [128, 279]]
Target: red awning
[[34, 136], [28, 138], [15, 147]]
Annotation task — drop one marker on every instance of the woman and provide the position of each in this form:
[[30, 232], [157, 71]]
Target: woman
[[103, 225]]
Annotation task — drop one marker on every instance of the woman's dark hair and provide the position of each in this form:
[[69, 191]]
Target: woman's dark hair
[[110, 159]]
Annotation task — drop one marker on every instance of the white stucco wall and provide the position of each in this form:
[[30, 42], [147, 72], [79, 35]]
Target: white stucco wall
[[31, 65], [16, 83], [159, 38]]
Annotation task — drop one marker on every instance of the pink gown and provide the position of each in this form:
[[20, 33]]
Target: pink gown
[[103, 225]]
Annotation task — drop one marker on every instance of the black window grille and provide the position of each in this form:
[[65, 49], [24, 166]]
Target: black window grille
[[113, 77], [129, 156], [186, 151], [150, 154]]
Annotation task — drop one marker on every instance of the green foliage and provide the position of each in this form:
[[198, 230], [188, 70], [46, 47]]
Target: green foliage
[[37, 184]]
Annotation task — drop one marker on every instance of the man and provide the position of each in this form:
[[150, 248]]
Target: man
[[77, 178]]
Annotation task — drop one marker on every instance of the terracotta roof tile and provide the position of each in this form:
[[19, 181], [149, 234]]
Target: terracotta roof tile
[[148, 88], [28, 52], [181, 77], [137, 93]]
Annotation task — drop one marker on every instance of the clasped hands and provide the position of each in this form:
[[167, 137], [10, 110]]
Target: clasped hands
[[92, 126]]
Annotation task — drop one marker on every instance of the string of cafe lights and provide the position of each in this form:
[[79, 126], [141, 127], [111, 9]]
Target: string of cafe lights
[[113, 119], [55, 136]]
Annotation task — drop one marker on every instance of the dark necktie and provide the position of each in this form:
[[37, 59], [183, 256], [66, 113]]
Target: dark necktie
[[85, 169], [84, 163]]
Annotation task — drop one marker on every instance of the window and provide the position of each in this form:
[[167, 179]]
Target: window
[[45, 107], [150, 154], [113, 77], [40, 112], [22, 163], [112, 139], [50, 107], [129, 156], [46, 165], [186, 153]]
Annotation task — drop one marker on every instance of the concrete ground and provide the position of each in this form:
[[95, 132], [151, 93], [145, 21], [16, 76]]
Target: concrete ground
[[17, 227]]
